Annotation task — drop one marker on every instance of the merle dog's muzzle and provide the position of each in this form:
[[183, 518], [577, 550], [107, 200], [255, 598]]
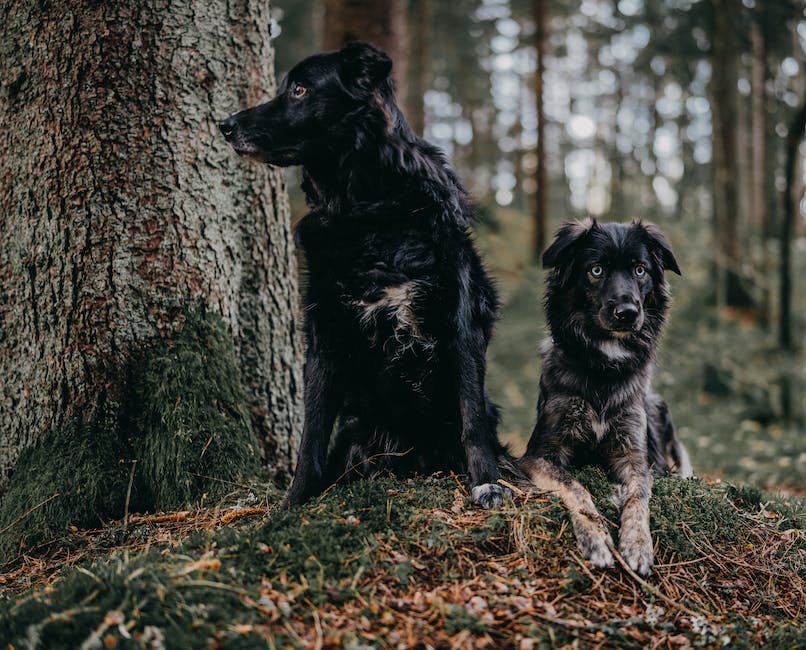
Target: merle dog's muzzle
[[622, 315]]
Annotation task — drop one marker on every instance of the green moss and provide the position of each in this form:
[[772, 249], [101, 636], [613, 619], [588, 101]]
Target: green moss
[[688, 514], [78, 475], [186, 416], [184, 421]]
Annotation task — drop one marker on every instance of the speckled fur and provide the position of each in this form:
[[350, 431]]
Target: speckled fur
[[595, 403]]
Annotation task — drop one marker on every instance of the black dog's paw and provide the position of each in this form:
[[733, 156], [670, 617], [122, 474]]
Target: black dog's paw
[[490, 495]]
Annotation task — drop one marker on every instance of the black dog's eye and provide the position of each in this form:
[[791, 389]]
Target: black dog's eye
[[297, 90], [639, 270], [597, 270]]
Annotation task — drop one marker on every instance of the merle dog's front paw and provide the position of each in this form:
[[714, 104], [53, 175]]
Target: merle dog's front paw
[[490, 495], [594, 542], [636, 548]]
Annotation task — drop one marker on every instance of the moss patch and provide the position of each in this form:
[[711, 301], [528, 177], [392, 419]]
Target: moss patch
[[184, 421], [186, 416], [78, 476]]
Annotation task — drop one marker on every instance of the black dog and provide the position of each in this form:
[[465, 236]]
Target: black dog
[[606, 303], [399, 308]]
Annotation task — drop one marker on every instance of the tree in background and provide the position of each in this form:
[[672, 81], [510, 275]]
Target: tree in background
[[381, 22], [147, 288], [541, 10], [728, 222], [420, 75]]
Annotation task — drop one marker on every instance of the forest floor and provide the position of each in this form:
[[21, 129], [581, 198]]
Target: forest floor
[[407, 564], [413, 564]]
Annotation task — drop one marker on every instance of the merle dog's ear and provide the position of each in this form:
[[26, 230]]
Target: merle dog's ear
[[364, 66], [565, 241], [662, 249]]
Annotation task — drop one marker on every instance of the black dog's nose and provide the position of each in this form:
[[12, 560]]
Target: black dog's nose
[[626, 313], [227, 127]]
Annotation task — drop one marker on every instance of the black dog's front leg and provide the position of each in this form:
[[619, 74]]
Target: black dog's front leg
[[323, 398], [478, 432]]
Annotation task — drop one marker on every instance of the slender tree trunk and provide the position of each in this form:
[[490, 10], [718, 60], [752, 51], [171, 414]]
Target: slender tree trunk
[[724, 102], [420, 75], [617, 202], [791, 201], [123, 211], [758, 150], [541, 217], [383, 23]]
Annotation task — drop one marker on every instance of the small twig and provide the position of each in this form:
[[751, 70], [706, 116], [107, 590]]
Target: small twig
[[354, 465], [128, 496], [206, 445], [220, 480], [512, 487], [25, 514], [651, 589]]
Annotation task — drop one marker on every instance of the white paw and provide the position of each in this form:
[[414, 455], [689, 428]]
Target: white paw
[[637, 552], [599, 555], [489, 495]]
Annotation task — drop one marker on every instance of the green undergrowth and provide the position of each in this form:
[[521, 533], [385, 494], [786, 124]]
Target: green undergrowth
[[315, 570], [78, 479], [186, 416], [183, 433]]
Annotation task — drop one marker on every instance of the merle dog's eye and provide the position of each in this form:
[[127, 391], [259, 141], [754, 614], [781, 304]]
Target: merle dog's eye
[[597, 270], [297, 90], [639, 270]]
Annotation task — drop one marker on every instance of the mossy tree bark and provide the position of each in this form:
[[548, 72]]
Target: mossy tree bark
[[122, 210]]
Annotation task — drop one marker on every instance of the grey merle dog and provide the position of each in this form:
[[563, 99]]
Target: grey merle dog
[[399, 309], [606, 303]]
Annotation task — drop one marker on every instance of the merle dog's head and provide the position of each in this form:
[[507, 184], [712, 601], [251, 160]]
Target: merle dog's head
[[314, 106], [608, 281]]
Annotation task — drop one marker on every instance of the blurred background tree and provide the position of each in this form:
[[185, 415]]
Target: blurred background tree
[[686, 112]]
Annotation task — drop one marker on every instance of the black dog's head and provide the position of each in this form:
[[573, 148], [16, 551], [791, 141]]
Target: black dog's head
[[313, 107], [608, 278]]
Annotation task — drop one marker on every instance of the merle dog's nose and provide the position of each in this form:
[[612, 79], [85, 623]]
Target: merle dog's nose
[[626, 313], [227, 127]]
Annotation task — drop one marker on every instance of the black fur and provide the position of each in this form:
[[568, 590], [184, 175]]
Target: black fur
[[399, 309], [606, 304]]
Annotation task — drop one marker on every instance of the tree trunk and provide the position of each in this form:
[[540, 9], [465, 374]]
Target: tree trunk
[[125, 214], [420, 76], [541, 13], [791, 201], [383, 23], [724, 102], [758, 152]]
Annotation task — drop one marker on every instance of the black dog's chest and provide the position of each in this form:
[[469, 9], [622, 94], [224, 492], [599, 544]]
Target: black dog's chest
[[373, 285]]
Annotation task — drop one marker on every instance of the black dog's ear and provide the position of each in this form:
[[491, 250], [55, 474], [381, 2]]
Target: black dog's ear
[[566, 239], [364, 66], [662, 247]]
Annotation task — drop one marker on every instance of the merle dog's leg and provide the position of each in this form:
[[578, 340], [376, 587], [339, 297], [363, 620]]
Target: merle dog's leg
[[323, 398], [633, 490], [478, 429], [592, 537]]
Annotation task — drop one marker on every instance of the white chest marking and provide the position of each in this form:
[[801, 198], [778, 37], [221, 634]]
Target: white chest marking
[[599, 427], [614, 350]]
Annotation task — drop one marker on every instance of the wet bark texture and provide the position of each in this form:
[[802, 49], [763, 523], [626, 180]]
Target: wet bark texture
[[121, 207]]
